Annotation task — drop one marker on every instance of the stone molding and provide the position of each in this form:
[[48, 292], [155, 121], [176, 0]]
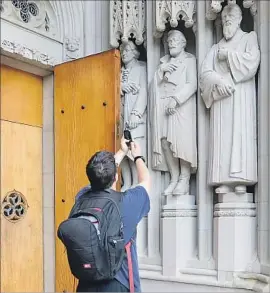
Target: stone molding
[[179, 213], [57, 20], [250, 281], [235, 212], [28, 53]]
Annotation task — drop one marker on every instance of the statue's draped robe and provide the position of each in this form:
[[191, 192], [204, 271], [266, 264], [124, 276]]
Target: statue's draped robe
[[178, 129], [233, 140]]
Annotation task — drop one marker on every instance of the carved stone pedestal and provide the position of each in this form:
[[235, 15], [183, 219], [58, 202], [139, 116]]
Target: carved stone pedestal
[[234, 233], [179, 233]]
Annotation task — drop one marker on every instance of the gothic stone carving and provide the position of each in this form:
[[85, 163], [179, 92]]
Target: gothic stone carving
[[173, 116], [235, 212], [133, 102], [213, 7], [29, 53], [127, 19], [37, 15], [71, 48], [179, 213], [172, 10], [227, 84]]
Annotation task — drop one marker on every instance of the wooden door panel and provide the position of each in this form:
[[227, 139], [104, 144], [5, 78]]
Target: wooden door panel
[[21, 96], [86, 113], [22, 241]]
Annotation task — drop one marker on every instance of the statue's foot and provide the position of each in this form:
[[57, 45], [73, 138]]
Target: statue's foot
[[182, 186], [170, 188], [223, 189], [240, 189]]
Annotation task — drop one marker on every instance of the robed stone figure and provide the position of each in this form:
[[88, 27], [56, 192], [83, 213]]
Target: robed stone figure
[[173, 115], [133, 106], [228, 88]]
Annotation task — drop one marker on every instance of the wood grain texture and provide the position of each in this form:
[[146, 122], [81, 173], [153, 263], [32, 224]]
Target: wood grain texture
[[21, 267], [86, 111], [21, 96]]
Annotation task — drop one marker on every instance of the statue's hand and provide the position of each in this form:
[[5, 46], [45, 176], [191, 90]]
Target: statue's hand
[[222, 54], [171, 107], [129, 88], [126, 88], [168, 67], [135, 88], [134, 121], [224, 90]]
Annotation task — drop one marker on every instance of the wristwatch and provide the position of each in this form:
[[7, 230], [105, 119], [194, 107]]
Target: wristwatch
[[139, 157]]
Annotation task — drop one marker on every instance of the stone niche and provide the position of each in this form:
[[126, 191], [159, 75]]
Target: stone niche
[[203, 61]]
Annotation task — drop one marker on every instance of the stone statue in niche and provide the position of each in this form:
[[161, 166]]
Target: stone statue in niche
[[227, 82], [133, 104], [173, 115]]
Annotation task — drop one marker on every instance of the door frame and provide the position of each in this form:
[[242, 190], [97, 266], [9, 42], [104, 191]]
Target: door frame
[[16, 61]]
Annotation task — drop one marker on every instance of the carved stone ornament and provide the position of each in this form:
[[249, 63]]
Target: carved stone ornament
[[179, 213], [169, 10], [34, 15], [234, 212], [214, 7], [14, 206], [71, 48], [29, 53], [127, 19]]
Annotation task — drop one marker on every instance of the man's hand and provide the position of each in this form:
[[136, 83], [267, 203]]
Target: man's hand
[[133, 121], [124, 146], [135, 149], [222, 54], [171, 108], [168, 67]]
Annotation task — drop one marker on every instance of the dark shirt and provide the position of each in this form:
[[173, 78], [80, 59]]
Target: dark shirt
[[134, 207]]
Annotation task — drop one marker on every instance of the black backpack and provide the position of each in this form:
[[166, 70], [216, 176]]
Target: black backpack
[[93, 236]]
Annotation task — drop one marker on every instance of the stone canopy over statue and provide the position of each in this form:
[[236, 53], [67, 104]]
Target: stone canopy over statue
[[227, 84], [173, 115]]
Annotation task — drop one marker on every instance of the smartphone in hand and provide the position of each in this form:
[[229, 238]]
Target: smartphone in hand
[[127, 136]]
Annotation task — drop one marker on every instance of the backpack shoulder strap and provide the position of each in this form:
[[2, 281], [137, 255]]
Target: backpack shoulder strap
[[130, 267]]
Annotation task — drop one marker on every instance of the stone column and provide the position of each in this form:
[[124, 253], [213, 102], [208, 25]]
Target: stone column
[[235, 239], [204, 41], [179, 226], [153, 219], [263, 189]]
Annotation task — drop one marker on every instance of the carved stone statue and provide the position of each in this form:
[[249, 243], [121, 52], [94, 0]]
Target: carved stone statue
[[227, 83], [72, 46], [173, 117], [134, 102]]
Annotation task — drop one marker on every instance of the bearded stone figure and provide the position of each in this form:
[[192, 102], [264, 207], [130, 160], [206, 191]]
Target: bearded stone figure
[[227, 84], [133, 106], [173, 115]]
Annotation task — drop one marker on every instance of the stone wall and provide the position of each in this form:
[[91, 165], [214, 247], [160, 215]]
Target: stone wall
[[208, 223], [204, 236]]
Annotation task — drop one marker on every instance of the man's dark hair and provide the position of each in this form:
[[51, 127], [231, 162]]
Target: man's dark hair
[[101, 170]]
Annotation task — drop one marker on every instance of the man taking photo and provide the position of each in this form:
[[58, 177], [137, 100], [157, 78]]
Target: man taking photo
[[134, 204]]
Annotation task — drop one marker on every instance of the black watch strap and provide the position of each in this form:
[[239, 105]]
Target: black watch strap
[[139, 157]]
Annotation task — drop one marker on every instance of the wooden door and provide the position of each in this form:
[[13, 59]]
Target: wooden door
[[21, 227], [86, 113]]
